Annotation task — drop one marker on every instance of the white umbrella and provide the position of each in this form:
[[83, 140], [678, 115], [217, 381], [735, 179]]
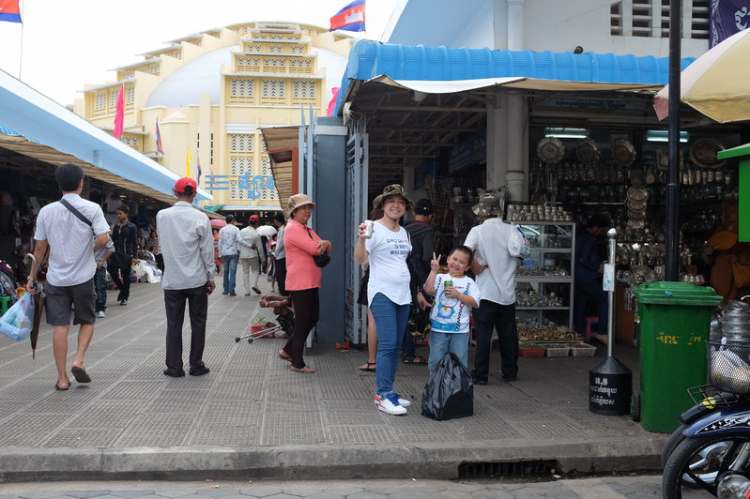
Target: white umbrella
[[267, 230]]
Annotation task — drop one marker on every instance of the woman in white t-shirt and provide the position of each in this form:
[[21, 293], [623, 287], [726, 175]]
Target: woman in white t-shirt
[[388, 292]]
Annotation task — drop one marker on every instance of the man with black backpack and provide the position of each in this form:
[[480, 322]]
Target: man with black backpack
[[422, 237], [66, 228]]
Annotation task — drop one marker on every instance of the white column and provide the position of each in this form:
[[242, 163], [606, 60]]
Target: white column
[[497, 143], [515, 24], [516, 150]]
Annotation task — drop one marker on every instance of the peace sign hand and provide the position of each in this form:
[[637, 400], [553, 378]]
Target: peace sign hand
[[435, 262]]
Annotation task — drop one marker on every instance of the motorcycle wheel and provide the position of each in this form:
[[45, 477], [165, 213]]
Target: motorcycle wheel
[[674, 440], [700, 463]]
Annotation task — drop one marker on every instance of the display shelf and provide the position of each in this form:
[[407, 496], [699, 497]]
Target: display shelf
[[544, 278], [541, 308]]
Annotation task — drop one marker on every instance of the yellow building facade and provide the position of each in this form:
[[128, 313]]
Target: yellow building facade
[[212, 92]]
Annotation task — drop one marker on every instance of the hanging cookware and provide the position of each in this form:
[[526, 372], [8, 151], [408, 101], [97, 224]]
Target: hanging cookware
[[637, 215], [637, 194], [703, 153], [623, 152], [638, 178], [550, 150], [587, 151]]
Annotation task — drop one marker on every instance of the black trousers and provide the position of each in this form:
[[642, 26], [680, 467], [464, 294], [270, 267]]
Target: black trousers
[[306, 311], [174, 301], [281, 275], [503, 318], [120, 276]]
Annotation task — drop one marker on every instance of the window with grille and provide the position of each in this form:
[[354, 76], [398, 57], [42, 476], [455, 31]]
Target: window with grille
[[261, 37], [303, 90], [241, 142], [277, 37], [275, 49], [650, 18], [240, 165], [129, 96], [153, 69], [177, 54], [241, 90], [274, 90], [133, 142], [100, 103], [301, 66], [297, 49], [249, 64], [113, 99], [274, 65], [263, 146], [265, 166], [254, 49], [127, 76]]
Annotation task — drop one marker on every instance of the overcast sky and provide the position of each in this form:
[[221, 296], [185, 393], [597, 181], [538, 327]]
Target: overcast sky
[[69, 43]]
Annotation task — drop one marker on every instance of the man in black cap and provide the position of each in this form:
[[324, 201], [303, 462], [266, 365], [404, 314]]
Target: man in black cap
[[423, 245]]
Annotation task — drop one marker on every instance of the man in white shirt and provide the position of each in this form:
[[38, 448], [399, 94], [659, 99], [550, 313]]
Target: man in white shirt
[[497, 247], [187, 246], [250, 257], [229, 251], [66, 228]]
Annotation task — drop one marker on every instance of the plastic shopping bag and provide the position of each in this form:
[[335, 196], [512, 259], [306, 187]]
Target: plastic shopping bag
[[449, 393], [16, 323]]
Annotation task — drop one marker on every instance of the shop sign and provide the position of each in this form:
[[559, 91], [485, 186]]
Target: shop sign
[[472, 151], [581, 103], [728, 17]]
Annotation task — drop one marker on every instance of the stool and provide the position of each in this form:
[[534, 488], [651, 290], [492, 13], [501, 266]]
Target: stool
[[590, 321]]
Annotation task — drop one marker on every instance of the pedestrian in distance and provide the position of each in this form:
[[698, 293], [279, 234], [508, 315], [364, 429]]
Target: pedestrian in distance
[[497, 248], [303, 278], [188, 250], [125, 239], [455, 295], [229, 251], [388, 291], [250, 256], [280, 253], [589, 270], [66, 228], [100, 277]]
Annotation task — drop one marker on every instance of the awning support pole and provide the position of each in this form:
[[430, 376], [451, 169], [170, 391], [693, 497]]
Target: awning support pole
[[673, 185]]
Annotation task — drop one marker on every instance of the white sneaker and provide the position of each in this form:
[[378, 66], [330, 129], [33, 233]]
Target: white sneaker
[[100, 313], [401, 401], [390, 405]]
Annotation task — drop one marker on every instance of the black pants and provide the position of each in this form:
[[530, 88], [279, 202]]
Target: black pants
[[281, 275], [160, 262], [306, 310], [503, 318], [119, 269], [174, 301]]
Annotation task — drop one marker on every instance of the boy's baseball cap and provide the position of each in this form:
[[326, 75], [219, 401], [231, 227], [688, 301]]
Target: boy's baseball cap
[[180, 187], [254, 218], [423, 207]]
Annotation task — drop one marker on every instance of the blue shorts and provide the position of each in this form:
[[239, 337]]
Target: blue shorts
[[443, 343]]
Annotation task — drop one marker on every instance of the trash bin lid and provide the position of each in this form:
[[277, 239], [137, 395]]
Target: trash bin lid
[[677, 293]]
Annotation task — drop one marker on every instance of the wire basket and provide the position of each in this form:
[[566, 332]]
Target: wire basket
[[711, 397], [729, 366]]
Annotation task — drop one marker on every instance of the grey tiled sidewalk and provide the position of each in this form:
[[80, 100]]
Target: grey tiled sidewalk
[[252, 413]]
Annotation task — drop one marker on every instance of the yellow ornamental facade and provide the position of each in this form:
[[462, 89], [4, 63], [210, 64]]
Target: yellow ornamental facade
[[212, 92]]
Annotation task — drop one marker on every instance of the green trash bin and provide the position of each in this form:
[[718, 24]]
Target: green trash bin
[[675, 322]]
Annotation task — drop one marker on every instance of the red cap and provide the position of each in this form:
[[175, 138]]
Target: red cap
[[183, 183], [254, 218]]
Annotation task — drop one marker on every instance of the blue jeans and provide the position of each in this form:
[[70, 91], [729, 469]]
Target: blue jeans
[[230, 272], [390, 319], [100, 284], [443, 343]]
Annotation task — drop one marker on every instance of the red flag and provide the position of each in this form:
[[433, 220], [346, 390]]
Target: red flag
[[10, 11], [350, 18], [332, 103], [120, 112]]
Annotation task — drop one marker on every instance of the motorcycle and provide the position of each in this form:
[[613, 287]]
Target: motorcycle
[[710, 451]]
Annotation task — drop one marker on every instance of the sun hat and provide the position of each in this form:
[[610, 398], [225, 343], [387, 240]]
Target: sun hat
[[298, 201], [423, 207], [180, 187], [487, 206], [394, 190]]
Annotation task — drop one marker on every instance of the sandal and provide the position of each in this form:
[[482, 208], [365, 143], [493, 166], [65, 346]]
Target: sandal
[[284, 356], [417, 360], [305, 369], [368, 367]]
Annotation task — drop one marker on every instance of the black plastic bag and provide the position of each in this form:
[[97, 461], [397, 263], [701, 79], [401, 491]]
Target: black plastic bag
[[449, 393]]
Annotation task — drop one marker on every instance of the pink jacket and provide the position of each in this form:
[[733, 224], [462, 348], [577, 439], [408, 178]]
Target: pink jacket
[[301, 271]]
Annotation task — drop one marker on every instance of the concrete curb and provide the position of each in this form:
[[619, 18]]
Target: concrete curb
[[425, 461]]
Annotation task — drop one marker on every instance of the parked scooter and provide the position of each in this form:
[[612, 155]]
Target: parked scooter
[[710, 451]]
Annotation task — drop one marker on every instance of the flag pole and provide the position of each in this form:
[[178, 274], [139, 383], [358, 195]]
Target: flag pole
[[20, 55]]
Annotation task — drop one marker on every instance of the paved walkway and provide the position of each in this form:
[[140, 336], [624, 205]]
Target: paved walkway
[[252, 415]]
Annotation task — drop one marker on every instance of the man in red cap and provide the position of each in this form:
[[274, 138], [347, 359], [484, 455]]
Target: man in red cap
[[188, 250], [250, 256]]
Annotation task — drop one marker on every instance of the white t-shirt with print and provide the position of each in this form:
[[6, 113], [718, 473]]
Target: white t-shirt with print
[[448, 314], [387, 253]]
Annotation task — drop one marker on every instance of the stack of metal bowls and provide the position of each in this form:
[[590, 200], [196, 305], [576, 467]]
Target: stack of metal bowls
[[735, 322]]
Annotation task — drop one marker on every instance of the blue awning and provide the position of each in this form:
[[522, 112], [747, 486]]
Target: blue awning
[[47, 127], [522, 69]]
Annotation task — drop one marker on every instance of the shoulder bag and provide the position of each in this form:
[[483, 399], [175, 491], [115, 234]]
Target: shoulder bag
[[320, 260]]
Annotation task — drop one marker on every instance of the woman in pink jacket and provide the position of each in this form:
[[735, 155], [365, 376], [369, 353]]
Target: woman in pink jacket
[[302, 278]]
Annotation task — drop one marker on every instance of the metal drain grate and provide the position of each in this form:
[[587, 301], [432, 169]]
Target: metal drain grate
[[515, 469]]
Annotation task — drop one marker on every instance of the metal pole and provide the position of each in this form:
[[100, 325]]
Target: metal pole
[[612, 234], [673, 173]]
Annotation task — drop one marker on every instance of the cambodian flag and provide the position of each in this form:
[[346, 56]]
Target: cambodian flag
[[159, 146], [350, 18], [200, 170], [10, 11]]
